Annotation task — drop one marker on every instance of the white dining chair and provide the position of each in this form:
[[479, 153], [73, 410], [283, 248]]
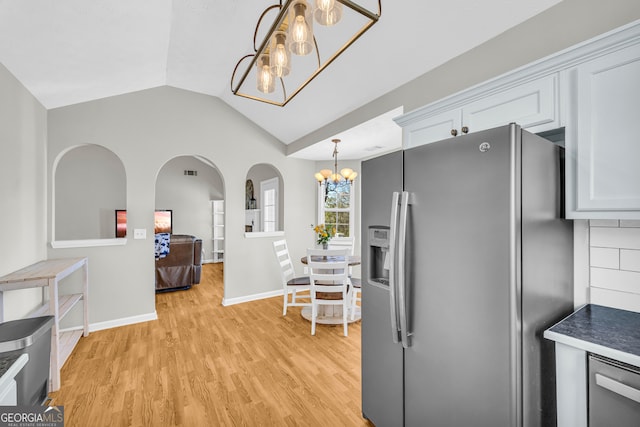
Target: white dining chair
[[291, 284], [356, 284], [341, 243], [356, 296], [329, 279]]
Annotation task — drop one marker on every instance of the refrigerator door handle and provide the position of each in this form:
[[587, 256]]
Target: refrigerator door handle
[[392, 266], [402, 294]]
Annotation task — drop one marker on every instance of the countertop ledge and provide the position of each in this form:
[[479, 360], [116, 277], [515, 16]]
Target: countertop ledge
[[609, 332]]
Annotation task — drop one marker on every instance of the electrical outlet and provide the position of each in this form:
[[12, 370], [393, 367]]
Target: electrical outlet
[[306, 270], [140, 233]]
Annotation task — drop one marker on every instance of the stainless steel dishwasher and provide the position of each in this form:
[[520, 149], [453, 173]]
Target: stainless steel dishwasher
[[614, 393]]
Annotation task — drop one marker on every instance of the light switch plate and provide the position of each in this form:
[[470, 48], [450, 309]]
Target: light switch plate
[[139, 233]]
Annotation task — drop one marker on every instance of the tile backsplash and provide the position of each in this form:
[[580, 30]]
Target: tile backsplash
[[614, 263]]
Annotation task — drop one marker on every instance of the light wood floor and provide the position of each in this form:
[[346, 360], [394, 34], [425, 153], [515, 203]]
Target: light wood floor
[[202, 364]]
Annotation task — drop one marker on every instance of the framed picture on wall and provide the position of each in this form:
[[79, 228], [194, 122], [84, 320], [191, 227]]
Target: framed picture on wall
[[121, 223], [163, 221]]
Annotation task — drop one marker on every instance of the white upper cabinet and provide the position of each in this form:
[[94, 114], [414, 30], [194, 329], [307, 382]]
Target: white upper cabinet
[[604, 141], [432, 128], [592, 90], [532, 105]]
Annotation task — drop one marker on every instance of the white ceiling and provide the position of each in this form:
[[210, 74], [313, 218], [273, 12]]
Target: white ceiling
[[70, 51]]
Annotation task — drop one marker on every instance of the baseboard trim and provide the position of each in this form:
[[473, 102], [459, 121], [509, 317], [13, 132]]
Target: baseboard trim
[[99, 326], [239, 300]]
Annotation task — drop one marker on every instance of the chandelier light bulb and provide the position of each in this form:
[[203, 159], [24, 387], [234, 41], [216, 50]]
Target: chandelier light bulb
[[279, 55], [266, 82], [300, 29], [325, 5], [328, 12], [346, 172]]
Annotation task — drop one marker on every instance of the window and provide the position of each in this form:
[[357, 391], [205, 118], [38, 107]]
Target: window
[[336, 207], [269, 204]]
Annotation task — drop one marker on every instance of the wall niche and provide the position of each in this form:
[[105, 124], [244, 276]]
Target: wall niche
[[264, 199], [89, 186]]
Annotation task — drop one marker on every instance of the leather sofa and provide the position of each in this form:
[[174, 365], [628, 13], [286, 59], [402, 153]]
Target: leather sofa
[[182, 266]]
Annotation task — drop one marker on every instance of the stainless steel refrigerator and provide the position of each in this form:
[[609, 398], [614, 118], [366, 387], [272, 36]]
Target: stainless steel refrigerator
[[466, 259]]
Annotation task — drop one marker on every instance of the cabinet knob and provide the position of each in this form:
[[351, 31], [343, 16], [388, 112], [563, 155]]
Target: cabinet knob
[[454, 132], [465, 129]]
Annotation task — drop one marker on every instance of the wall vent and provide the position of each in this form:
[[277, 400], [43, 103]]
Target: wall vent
[[191, 173]]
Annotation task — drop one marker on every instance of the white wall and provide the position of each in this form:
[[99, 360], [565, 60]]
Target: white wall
[[614, 263], [146, 129], [23, 127]]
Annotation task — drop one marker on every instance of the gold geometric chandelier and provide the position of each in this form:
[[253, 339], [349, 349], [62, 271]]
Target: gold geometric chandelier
[[346, 174], [284, 58]]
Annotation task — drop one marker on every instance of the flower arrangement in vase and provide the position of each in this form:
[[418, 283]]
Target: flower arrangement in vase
[[324, 234]]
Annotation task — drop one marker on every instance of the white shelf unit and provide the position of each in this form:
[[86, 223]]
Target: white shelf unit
[[217, 223], [47, 274]]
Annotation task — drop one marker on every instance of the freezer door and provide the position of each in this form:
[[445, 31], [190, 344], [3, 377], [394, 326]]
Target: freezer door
[[382, 362], [461, 281]]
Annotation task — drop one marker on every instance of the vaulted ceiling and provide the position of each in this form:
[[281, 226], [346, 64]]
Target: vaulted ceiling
[[70, 51]]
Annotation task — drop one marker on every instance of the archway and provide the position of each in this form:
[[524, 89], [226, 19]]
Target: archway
[[187, 187]]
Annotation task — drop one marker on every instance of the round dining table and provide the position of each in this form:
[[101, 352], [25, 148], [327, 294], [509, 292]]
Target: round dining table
[[353, 260], [331, 314]]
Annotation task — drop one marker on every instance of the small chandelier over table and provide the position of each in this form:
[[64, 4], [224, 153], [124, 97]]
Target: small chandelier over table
[[284, 52], [346, 174]]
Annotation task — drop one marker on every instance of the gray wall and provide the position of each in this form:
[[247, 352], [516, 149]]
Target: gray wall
[[23, 130], [142, 128]]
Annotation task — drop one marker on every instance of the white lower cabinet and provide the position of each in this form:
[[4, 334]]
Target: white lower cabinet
[[603, 143]]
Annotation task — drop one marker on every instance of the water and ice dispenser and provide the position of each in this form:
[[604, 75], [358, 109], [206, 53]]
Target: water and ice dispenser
[[379, 254]]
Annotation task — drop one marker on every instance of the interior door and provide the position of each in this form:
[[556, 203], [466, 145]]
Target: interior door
[[459, 368]]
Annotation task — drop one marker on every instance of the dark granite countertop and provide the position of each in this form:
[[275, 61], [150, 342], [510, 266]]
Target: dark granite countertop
[[607, 331]]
